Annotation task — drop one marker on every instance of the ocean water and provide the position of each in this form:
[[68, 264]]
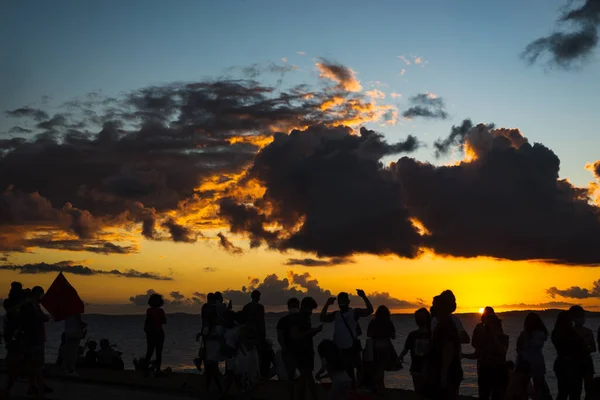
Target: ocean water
[[181, 348]]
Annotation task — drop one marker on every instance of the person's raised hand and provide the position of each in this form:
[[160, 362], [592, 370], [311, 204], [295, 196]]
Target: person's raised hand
[[330, 301], [361, 293]]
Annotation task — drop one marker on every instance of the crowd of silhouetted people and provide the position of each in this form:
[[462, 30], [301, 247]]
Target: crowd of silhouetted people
[[238, 340]]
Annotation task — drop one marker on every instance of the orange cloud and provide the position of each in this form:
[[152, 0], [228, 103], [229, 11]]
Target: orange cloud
[[345, 77]]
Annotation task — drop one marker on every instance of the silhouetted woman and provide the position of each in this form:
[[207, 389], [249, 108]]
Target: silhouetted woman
[[491, 345], [570, 353], [445, 369], [155, 335], [382, 331], [530, 345]]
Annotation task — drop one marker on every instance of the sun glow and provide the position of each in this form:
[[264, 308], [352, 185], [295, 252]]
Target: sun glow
[[481, 310]]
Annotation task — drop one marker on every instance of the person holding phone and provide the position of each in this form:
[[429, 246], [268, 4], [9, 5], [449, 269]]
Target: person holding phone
[[345, 329]]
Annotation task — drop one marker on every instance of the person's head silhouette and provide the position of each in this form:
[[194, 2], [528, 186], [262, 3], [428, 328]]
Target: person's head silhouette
[[155, 300], [37, 293], [92, 345], [255, 296], [423, 318], [343, 300], [488, 311], [293, 305], [308, 304], [564, 321], [218, 298], [578, 315], [383, 313], [104, 344], [210, 298], [534, 323]]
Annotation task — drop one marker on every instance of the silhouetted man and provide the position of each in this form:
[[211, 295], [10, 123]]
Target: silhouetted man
[[345, 328], [254, 313]]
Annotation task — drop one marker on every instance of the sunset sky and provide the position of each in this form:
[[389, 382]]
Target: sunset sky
[[148, 145]]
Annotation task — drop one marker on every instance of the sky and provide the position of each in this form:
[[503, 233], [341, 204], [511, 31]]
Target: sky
[[400, 147]]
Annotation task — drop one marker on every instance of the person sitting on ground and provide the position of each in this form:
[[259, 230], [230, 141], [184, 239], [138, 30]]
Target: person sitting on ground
[[345, 329], [108, 358], [332, 366], [90, 360], [418, 343]]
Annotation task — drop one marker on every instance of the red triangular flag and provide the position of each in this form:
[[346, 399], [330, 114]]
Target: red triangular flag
[[61, 300]]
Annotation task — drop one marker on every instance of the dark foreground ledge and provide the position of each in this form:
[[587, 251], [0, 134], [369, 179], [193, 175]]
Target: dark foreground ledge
[[185, 384]]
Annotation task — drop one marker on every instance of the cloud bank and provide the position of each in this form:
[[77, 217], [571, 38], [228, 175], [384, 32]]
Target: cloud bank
[[77, 269], [576, 292], [565, 48]]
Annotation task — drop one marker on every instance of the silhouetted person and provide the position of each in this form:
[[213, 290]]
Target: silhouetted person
[[570, 354], [90, 359], [418, 343], [530, 345], [345, 328], [155, 334], [445, 357], [332, 366], [448, 295], [74, 330], [108, 358], [12, 334], [206, 313], [255, 315], [301, 344], [34, 339], [491, 345], [213, 339], [382, 331], [229, 348], [586, 334], [285, 342]]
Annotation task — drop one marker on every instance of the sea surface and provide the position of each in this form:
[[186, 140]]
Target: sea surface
[[127, 332]]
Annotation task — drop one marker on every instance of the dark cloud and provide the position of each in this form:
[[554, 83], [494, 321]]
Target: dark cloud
[[227, 245], [276, 291], [142, 159], [426, 105], [507, 202], [176, 299], [28, 112], [92, 246], [311, 262], [576, 292], [77, 269], [180, 233], [18, 129], [564, 49], [334, 183]]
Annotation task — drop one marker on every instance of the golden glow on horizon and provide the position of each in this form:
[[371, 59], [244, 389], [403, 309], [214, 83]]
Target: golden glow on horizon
[[474, 281], [481, 310]]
